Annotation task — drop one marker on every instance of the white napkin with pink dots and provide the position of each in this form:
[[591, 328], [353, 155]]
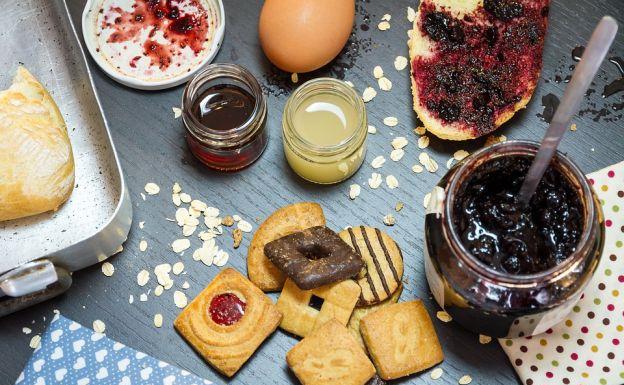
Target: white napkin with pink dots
[[587, 348]]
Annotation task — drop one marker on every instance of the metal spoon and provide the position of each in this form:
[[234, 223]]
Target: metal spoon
[[594, 54]]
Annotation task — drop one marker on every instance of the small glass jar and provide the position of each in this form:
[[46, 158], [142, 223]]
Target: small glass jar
[[495, 303], [232, 149], [325, 164]]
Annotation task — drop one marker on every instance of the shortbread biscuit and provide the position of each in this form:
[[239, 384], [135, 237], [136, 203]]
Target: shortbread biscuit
[[330, 356], [314, 257], [228, 321], [383, 259], [361, 312], [286, 220], [306, 310], [401, 340]]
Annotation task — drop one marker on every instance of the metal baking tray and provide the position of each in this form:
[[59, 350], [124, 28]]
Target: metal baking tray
[[96, 219]]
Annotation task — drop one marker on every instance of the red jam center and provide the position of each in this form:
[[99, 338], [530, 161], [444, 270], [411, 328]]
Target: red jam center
[[227, 309], [179, 28]]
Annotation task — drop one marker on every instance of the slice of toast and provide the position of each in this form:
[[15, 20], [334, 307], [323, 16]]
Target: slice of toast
[[475, 63]]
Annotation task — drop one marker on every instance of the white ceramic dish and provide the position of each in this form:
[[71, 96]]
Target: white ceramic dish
[[89, 31]]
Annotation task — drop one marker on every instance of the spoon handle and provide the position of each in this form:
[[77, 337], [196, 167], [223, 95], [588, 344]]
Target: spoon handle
[[594, 54]]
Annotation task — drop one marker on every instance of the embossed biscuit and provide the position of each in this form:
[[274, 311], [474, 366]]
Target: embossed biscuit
[[286, 220], [401, 340], [330, 356], [306, 310], [361, 312], [383, 259], [228, 321]]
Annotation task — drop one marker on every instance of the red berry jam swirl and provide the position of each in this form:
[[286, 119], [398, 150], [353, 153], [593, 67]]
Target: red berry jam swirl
[[227, 309], [483, 64], [180, 29]]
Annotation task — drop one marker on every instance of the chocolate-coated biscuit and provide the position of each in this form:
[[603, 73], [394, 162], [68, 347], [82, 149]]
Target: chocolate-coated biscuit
[[286, 220], [314, 257], [383, 259]]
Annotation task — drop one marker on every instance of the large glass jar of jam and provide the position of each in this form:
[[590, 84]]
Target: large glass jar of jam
[[224, 112], [505, 270]]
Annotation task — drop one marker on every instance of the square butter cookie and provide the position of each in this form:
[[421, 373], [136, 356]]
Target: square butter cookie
[[330, 356], [228, 321], [306, 310], [401, 340]]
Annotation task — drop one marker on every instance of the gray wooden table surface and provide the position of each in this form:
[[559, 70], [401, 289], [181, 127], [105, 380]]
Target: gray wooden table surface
[[150, 144]]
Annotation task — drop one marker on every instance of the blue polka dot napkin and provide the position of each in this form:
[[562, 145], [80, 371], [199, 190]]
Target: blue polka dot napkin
[[72, 354]]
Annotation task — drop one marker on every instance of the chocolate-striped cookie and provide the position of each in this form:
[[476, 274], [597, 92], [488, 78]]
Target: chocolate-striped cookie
[[383, 259]]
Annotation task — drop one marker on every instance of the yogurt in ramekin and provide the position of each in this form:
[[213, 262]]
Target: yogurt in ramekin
[[153, 44]]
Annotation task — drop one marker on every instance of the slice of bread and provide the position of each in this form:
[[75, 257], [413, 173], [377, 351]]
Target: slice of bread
[[475, 63]]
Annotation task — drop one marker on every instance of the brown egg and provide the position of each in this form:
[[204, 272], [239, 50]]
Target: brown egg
[[304, 35]]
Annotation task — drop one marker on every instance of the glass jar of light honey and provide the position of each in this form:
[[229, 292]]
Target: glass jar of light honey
[[324, 129]]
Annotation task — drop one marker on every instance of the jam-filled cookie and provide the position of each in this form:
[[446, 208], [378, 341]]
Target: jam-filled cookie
[[330, 356], [314, 257], [401, 340], [228, 321], [361, 312], [383, 259], [287, 220], [306, 310]]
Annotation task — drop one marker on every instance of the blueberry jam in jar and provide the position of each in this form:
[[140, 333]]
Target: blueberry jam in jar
[[224, 111], [502, 269]]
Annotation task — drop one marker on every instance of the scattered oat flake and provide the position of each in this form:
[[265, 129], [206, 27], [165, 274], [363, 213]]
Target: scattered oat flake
[[212, 212], [423, 142], [389, 220], [177, 268], [198, 205], [417, 168], [397, 155], [185, 198], [386, 17], [573, 127], [99, 326], [177, 112], [187, 230], [443, 316], [158, 290], [368, 94], [227, 221], [436, 373], [392, 182], [143, 297], [152, 188], [237, 235], [143, 196], [26, 330], [383, 26], [391, 121], [460, 154], [420, 130], [221, 258], [378, 161], [142, 277], [465, 380], [186, 285], [399, 142], [483, 339], [493, 139], [350, 84], [411, 14], [449, 163], [143, 245], [131, 299], [426, 200], [400, 62], [244, 226], [175, 198], [294, 77], [176, 188], [35, 341], [158, 320], [399, 206], [354, 191], [378, 72], [108, 269], [384, 84], [372, 129], [375, 180], [180, 245], [179, 298]]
